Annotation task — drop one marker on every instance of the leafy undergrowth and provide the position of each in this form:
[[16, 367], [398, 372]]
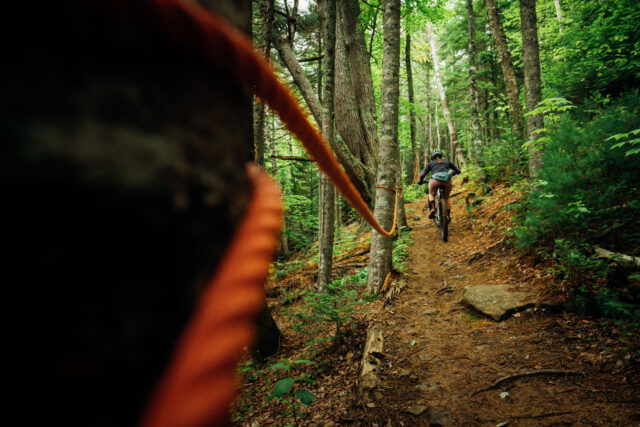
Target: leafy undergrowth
[[448, 349], [325, 330]]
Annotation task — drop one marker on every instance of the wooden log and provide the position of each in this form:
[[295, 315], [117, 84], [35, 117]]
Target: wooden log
[[371, 359], [394, 290], [623, 260]]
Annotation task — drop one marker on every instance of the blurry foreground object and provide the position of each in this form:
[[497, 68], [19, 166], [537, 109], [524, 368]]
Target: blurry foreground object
[[123, 180]]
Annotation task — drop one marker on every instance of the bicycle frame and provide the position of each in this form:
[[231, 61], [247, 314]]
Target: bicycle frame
[[440, 219]]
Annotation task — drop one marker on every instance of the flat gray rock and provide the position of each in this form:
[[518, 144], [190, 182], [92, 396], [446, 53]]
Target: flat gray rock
[[439, 417], [417, 409], [428, 387], [495, 300]]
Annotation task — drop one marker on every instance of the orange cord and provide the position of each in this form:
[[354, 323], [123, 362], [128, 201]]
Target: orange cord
[[415, 174], [228, 49], [200, 384]]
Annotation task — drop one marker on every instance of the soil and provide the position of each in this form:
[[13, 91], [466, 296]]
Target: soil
[[438, 352]]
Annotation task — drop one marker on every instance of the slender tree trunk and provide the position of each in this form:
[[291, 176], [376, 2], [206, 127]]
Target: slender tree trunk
[[429, 130], [284, 244], [558, 14], [412, 117], [266, 15], [533, 89], [473, 86], [401, 212], [508, 73], [381, 246], [438, 137], [455, 145], [327, 201]]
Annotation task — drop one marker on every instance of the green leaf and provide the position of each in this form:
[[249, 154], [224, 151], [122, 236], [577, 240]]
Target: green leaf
[[633, 151], [303, 361], [305, 396], [504, 394], [279, 365], [282, 387]]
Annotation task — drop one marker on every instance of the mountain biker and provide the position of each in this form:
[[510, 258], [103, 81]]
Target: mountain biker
[[440, 177]]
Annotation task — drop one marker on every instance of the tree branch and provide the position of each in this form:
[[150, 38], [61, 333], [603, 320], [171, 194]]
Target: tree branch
[[293, 158]]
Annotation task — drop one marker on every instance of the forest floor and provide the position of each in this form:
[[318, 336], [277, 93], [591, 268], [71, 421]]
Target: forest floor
[[438, 352]]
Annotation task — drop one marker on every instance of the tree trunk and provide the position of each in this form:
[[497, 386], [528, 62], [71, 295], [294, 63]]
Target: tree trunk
[[456, 150], [359, 173], [412, 117], [327, 199], [381, 246], [346, 104], [401, 212], [473, 86], [268, 337], [438, 137], [508, 73], [428, 130], [266, 16], [558, 14], [533, 89], [284, 244], [360, 68]]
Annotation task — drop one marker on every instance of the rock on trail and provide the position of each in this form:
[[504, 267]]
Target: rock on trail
[[495, 300]]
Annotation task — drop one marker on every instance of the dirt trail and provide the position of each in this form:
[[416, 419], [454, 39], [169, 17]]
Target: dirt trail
[[439, 352]]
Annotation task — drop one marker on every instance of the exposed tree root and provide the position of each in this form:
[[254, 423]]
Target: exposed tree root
[[514, 377]]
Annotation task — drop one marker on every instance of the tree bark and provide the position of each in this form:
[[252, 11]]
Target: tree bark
[[438, 137], [508, 73], [456, 154], [558, 14], [359, 173], [473, 84], [327, 199], [369, 378], [360, 68], [428, 132], [381, 246], [401, 213], [412, 118], [284, 244], [532, 84], [266, 15]]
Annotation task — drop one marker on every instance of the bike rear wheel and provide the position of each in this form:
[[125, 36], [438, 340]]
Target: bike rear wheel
[[444, 223]]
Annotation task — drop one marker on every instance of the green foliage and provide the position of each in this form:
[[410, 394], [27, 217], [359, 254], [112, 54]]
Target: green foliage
[[598, 54], [587, 194], [401, 250], [334, 306], [301, 227], [504, 160], [283, 389], [588, 190], [627, 140]]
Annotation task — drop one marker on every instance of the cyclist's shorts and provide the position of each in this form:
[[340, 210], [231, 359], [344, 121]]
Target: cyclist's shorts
[[446, 188]]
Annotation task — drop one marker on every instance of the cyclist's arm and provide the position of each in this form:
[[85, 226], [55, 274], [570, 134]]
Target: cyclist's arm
[[424, 174], [454, 168]]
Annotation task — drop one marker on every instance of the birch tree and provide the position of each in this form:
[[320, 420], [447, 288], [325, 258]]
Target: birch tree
[[457, 154]]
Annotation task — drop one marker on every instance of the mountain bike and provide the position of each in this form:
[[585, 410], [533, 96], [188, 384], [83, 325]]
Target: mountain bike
[[440, 219]]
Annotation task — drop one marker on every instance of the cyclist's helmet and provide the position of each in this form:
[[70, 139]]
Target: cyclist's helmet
[[435, 153]]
